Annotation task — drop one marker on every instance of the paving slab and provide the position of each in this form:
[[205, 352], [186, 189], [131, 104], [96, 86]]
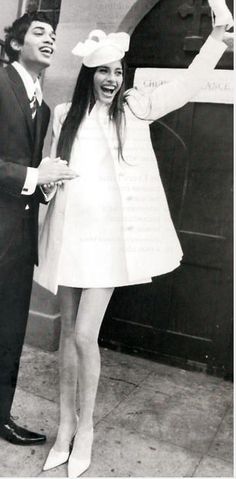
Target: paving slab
[[203, 399], [128, 367], [39, 375], [170, 380], [37, 414], [121, 453], [168, 419], [111, 393], [213, 467], [152, 420], [222, 446], [38, 372]]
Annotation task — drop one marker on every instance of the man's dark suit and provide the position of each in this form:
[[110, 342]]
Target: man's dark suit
[[21, 143]]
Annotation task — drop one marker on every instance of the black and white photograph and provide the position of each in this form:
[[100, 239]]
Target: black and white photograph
[[116, 238]]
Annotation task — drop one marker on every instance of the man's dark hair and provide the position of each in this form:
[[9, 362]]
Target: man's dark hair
[[18, 30]]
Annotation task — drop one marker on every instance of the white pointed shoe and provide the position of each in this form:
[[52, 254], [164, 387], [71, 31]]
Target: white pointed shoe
[[76, 467], [57, 458]]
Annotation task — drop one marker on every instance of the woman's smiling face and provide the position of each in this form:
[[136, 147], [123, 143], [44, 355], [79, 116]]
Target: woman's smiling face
[[107, 81]]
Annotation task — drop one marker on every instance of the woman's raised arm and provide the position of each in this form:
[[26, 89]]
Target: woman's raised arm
[[175, 94]]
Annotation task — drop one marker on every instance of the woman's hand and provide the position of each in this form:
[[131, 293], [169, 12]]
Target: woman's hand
[[48, 188], [218, 33], [228, 38], [222, 14]]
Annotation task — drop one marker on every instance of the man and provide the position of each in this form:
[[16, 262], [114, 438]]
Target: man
[[24, 117]]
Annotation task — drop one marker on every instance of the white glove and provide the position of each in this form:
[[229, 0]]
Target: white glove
[[221, 13]]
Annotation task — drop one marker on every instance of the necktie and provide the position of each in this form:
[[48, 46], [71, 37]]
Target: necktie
[[33, 106]]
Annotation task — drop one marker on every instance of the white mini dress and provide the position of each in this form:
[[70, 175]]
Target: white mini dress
[[111, 226]]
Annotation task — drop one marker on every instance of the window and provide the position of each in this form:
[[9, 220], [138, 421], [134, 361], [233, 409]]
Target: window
[[50, 7]]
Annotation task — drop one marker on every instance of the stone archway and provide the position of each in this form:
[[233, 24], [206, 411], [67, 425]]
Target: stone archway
[[135, 15]]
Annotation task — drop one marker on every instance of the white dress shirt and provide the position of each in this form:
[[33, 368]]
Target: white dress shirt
[[32, 88]]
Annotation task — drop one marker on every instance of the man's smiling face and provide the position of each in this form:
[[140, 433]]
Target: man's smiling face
[[38, 47]]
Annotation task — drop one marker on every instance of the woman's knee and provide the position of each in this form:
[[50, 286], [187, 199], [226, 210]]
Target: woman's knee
[[67, 324], [67, 330], [85, 340]]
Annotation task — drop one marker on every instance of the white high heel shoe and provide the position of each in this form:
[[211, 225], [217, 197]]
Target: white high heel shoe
[[57, 458], [76, 467]]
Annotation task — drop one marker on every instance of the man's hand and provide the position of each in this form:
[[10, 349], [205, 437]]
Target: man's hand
[[53, 171]]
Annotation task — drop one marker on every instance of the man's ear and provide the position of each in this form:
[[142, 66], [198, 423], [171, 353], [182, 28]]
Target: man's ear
[[15, 45]]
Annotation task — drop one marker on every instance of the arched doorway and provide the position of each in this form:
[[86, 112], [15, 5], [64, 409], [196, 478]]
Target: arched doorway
[[185, 317]]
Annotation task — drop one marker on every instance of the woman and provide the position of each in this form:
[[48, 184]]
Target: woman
[[111, 226]]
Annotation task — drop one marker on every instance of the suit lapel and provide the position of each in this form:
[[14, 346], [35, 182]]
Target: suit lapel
[[22, 98]]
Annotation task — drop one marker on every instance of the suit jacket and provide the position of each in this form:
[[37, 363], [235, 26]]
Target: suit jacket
[[21, 143]]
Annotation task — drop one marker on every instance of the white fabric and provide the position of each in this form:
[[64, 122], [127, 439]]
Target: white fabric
[[30, 181], [112, 226], [100, 48]]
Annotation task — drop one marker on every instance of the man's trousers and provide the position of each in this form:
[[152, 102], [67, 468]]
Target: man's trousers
[[16, 273]]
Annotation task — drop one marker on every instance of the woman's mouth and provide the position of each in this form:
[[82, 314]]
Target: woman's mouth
[[108, 90]]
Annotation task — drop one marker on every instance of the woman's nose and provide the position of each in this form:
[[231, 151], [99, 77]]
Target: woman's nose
[[111, 77]]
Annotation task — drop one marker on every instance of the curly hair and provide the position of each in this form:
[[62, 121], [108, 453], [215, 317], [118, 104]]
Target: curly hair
[[19, 28]]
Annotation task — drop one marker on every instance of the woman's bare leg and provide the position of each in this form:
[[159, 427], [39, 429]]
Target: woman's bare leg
[[69, 299], [91, 311]]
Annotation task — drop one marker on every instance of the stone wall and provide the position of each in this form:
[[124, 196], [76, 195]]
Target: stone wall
[[9, 11]]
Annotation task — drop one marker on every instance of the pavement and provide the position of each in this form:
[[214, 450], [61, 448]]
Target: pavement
[[151, 420]]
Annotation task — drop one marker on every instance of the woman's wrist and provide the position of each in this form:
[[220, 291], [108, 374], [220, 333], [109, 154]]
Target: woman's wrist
[[218, 33]]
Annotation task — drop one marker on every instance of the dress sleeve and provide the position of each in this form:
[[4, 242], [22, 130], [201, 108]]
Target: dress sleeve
[[60, 112], [175, 94]]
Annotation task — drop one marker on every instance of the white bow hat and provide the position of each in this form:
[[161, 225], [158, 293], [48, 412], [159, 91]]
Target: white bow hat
[[100, 48]]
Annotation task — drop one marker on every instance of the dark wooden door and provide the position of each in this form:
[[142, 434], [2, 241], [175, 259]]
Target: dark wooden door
[[185, 317]]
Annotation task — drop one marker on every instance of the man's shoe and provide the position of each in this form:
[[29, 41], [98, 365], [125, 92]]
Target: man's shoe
[[20, 436]]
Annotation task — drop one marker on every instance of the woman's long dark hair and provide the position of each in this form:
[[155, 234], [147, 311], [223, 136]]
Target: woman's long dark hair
[[82, 101]]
